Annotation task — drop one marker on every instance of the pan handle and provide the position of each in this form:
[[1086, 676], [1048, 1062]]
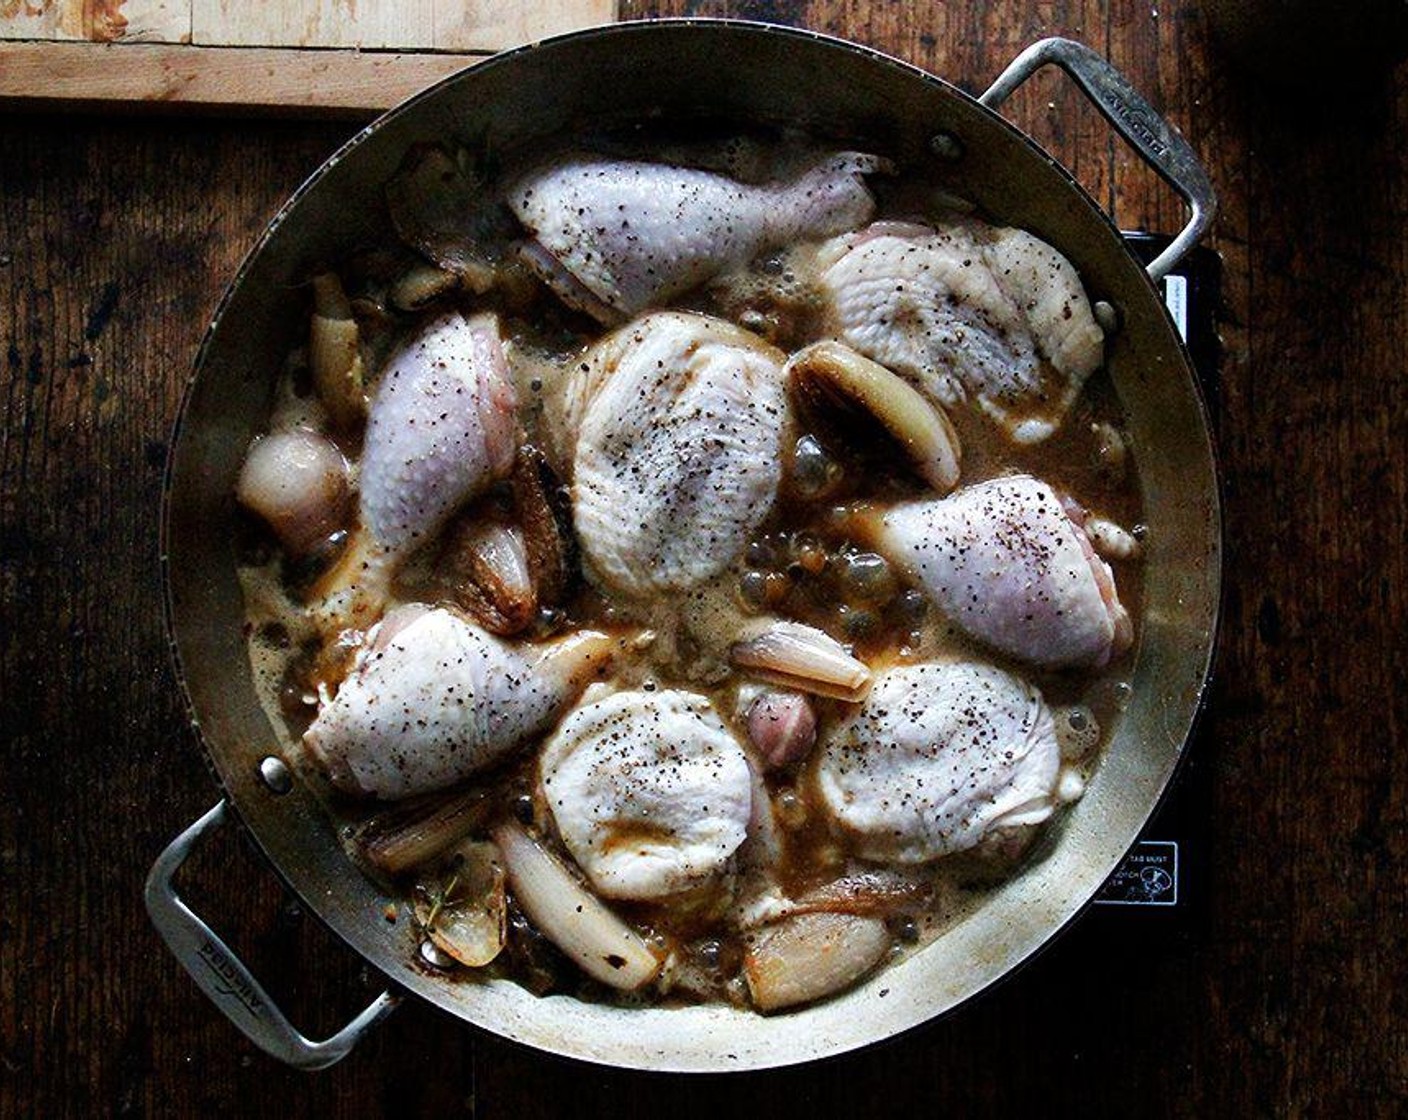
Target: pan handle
[[223, 976], [1134, 119]]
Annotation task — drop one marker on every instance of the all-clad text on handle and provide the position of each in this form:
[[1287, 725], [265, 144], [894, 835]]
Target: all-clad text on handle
[[1134, 119]]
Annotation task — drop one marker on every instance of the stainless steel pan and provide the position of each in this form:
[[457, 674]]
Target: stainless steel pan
[[689, 71]]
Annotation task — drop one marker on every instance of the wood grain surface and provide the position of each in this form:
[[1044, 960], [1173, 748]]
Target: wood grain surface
[[303, 57], [1278, 990], [468, 25], [243, 81]]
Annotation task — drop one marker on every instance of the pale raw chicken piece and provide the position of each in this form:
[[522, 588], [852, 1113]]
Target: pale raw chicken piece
[[650, 792], [442, 428], [968, 312], [433, 699], [1046, 287], [937, 759], [1006, 564], [675, 424], [613, 237]]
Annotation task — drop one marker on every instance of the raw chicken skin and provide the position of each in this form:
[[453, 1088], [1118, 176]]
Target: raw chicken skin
[[937, 758], [614, 237], [650, 791], [678, 424], [1007, 565], [970, 312], [433, 699], [441, 428]]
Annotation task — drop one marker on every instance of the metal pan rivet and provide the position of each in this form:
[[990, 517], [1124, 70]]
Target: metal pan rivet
[[434, 956], [946, 145], [1107, 315], [275, 774]]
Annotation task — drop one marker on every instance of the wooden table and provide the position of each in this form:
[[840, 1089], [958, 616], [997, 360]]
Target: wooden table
[[1279, 989]]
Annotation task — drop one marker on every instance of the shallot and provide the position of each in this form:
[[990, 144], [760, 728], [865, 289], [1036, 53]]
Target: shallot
[[573, 918], [297, 481]]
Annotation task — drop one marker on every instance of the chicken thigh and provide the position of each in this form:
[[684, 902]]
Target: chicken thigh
[[937, 758], [675, 424], [970, 312], [651, 793], [1008, 566], [614, 237], [433, 699]]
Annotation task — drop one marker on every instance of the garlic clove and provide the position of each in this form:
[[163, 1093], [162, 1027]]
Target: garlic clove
[[782, 725], [1110, 540]]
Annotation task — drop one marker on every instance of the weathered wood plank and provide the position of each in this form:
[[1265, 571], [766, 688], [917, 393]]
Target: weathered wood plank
[[472, 25], [153, 53], [493, 25], [407, 24], [258, 79], [100, 21], [403, 25]]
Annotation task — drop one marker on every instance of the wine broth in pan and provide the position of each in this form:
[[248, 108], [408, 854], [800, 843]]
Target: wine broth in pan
[[723, 636]]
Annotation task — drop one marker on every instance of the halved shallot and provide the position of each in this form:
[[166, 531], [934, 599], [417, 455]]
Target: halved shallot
[[334, 352], [830, 371], [438, 206], [573, 918], [415, 832], [802, 657], [863, 891], [464, 910], [493, 581], [546, 525], [421, 285], [807, 956]]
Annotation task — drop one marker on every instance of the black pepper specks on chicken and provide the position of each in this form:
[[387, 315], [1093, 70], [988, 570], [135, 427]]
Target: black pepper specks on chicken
[[1004, 561], [614, 237], [441, 699], [641, 785], [677, 451], [937, 758], [650, 791], [969, 312]]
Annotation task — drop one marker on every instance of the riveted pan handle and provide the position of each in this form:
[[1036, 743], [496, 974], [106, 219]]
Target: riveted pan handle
[[223, 976], [1134, 119]]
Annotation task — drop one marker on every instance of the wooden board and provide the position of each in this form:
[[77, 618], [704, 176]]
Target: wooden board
[[298, 55], [466, 25], [240, 79], [100, 21]]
